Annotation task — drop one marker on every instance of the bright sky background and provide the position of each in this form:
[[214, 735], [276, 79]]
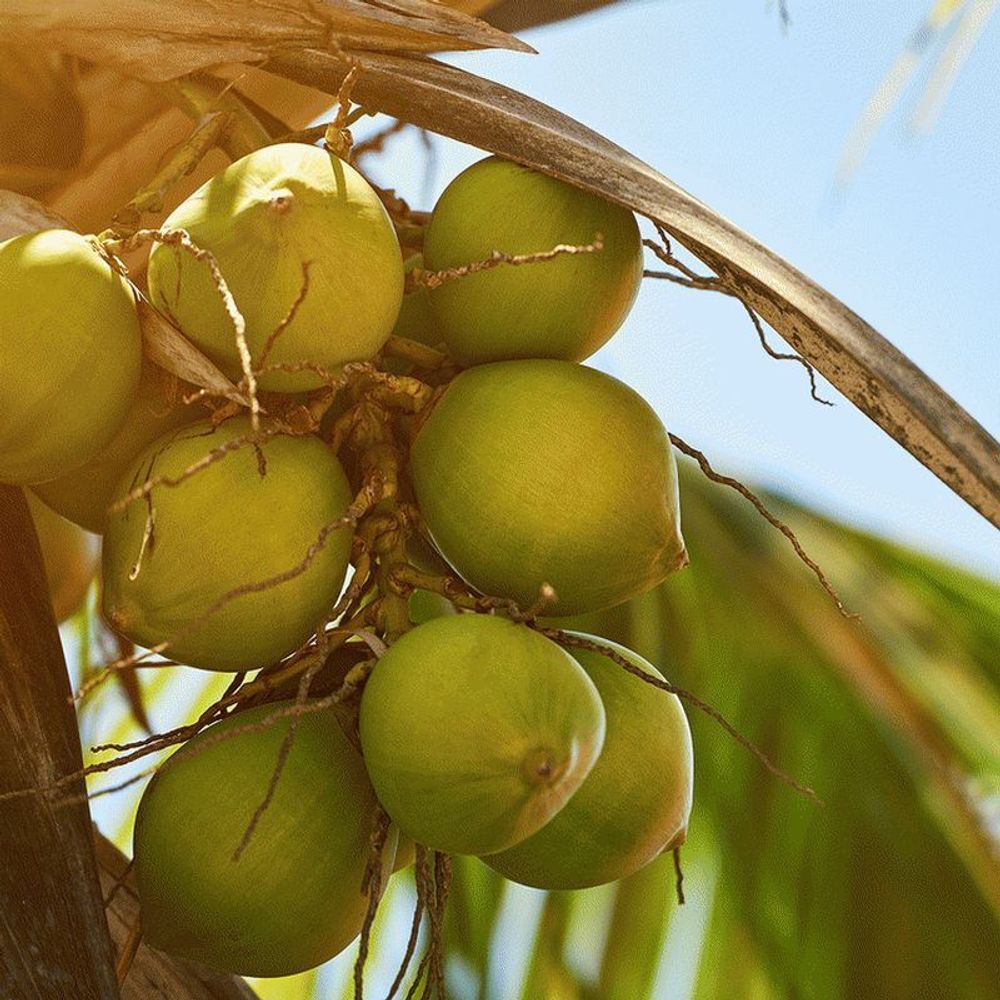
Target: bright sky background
[[752, 120]]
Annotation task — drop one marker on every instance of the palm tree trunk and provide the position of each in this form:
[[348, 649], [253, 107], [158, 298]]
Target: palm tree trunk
[[54, 940]]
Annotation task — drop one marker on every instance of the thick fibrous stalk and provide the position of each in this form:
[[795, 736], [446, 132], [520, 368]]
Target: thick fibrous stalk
[[53, 929]]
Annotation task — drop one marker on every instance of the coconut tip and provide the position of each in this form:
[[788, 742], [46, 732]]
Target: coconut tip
[[281, 200], [543, 767]]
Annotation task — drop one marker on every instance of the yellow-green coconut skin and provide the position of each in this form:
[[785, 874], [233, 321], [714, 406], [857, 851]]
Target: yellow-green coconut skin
[[266, 218], [224, 528], [70, 350], [70, 556], [636, 801], [562, 308], [476, 731], [545, 472], [293, 899], [416, 320], [84, 495]]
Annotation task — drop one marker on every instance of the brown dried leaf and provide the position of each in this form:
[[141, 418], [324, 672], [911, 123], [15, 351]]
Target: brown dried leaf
[[860, 362], [41, 118], [152, 40], [20, 214], [128, 680], [133, 128], [516, 15], [165, 345]]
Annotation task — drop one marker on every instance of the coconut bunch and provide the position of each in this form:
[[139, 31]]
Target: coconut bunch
[[409, 416], [440, 702]]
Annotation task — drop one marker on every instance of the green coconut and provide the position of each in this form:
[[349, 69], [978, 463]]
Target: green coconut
[[544, 472], [636, 801], [70, 349], [269, 218], [84, 495], [406, 853], [226, 527], [416, 320], [293, 898], [566, 307], [70, 556], [425, 605], [476, 731]]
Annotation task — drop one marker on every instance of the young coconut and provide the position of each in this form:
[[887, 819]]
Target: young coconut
[[416, 320], [70, 349], [70, 556], [250, 517], [84, 495], [406, 853], [425, 605], [636, 801], [292, 899], [288, 223], [545, 472], [476, 731], [566, 307]]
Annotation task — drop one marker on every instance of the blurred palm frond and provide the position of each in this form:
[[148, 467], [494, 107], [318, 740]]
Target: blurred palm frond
[[893, 889], [965, 20]]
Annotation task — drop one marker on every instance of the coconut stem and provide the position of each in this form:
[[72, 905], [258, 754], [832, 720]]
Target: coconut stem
[[151, 196], [571, 641], [201, 95], [411, 947], [373, 886], [418, 354], [691, 279], [681, 445], [386, 532], [418, 277]]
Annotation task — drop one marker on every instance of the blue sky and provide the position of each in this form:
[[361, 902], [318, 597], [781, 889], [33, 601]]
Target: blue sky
[[752, 119]]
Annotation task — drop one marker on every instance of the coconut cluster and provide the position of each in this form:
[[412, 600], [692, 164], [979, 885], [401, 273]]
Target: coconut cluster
[[422, 428]]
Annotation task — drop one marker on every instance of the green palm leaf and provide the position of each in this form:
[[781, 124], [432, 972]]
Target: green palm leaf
[[891, 889], [966, 20]]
